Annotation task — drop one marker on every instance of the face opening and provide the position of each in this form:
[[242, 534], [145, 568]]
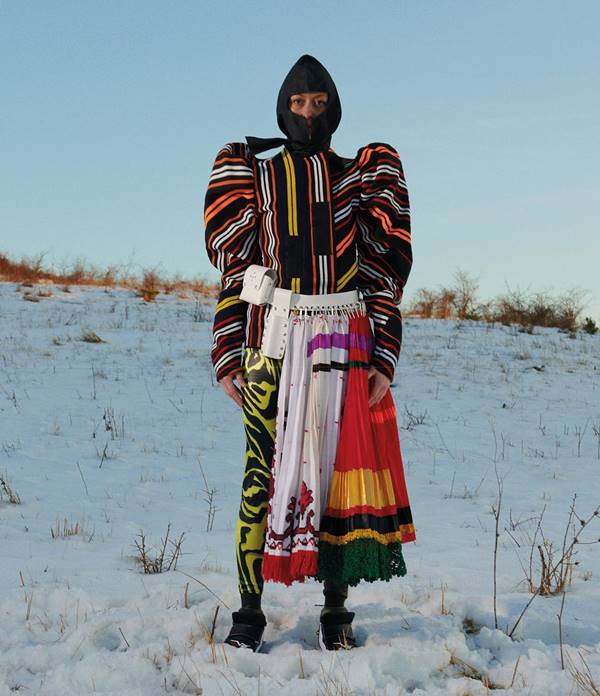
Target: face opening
[[308, 105]]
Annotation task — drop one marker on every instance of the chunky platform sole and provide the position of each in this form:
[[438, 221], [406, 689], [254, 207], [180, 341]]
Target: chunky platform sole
[[247, 630]]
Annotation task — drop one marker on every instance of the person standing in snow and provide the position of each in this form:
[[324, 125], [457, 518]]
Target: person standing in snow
[[314, 251]]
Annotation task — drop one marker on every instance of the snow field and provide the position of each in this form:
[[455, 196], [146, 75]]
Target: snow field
[[77, 615]]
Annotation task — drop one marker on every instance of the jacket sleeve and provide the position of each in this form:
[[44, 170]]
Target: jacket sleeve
[[384, 248], [232, 245]]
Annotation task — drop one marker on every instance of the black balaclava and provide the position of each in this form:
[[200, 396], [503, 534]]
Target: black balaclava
[[306, 75]]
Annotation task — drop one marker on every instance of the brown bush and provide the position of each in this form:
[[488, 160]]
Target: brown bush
[[150, 286], [540, 309], [455, 302], [424, 303], [459, 301], [29, 271]]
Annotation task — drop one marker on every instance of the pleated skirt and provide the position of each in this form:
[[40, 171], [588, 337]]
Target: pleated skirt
[[338, 505]]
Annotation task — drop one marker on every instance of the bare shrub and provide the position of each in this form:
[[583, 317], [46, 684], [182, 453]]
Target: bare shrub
[[445, 304], [569, 305], [27, 269], [455, 302], [540, 309], [161, 561], [172, 285], [556, 563], [414, 419], [149, 287], [203, 287], [77, 273], [110, 277], [465, 295], [424, 303], [520, 307]]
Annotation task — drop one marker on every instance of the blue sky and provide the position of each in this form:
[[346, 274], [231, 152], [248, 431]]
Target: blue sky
[[112, 113]]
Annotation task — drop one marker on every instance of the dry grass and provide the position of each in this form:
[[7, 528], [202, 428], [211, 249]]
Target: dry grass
[[91, 337], [64, 529], [147, 284], [583, 677], [467, 670], [8, 492]]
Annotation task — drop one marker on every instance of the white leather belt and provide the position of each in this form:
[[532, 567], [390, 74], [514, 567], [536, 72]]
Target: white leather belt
[[259, 288]]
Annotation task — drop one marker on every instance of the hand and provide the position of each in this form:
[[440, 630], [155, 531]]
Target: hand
[[378, 385], [232, 390]]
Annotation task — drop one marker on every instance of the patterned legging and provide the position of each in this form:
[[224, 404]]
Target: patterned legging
[[260, 404], [262, 376]]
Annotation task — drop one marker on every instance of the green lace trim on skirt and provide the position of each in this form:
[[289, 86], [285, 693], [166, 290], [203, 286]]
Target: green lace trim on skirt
[[361, 559]]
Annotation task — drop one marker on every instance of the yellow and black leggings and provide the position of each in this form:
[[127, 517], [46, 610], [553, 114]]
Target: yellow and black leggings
[[260, 405], [262, 376]]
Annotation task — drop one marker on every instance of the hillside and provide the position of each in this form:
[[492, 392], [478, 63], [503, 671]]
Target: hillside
[[104, 441]]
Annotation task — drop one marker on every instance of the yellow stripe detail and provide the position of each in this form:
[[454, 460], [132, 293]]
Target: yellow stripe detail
[[348, 275], [367, 534], [295, 284], [234, 299], [291, 194], [361, 487]]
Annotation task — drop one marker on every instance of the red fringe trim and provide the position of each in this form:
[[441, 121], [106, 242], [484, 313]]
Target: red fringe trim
[[288, 569]]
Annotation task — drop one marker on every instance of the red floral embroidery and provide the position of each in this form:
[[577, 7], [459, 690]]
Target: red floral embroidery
[[306, 498]]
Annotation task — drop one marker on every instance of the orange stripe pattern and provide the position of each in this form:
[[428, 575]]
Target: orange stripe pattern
[[323, 223]]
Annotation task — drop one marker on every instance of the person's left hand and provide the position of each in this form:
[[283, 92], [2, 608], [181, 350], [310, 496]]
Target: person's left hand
[[378, 385]]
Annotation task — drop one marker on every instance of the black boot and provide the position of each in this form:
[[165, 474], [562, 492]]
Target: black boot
[[335, 630], [248, 624], [335, 626]]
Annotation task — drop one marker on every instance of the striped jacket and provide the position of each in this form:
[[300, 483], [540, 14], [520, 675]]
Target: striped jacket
[[323, 223]]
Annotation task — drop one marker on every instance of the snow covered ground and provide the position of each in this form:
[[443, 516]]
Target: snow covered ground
[[77, 615]]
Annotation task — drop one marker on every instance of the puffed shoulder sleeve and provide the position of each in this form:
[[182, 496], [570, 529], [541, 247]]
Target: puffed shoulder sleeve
[[384, 248], [232, 244]]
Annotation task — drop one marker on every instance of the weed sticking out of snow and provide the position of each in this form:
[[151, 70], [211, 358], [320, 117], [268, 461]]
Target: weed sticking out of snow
[[8, 492]]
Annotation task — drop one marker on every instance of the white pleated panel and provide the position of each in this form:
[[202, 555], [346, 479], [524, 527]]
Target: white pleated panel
[[307, 429]]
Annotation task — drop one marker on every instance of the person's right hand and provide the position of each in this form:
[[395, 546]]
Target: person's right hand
[[231, 389]]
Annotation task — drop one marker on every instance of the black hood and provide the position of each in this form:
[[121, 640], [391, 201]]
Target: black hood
[[306, 75]]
